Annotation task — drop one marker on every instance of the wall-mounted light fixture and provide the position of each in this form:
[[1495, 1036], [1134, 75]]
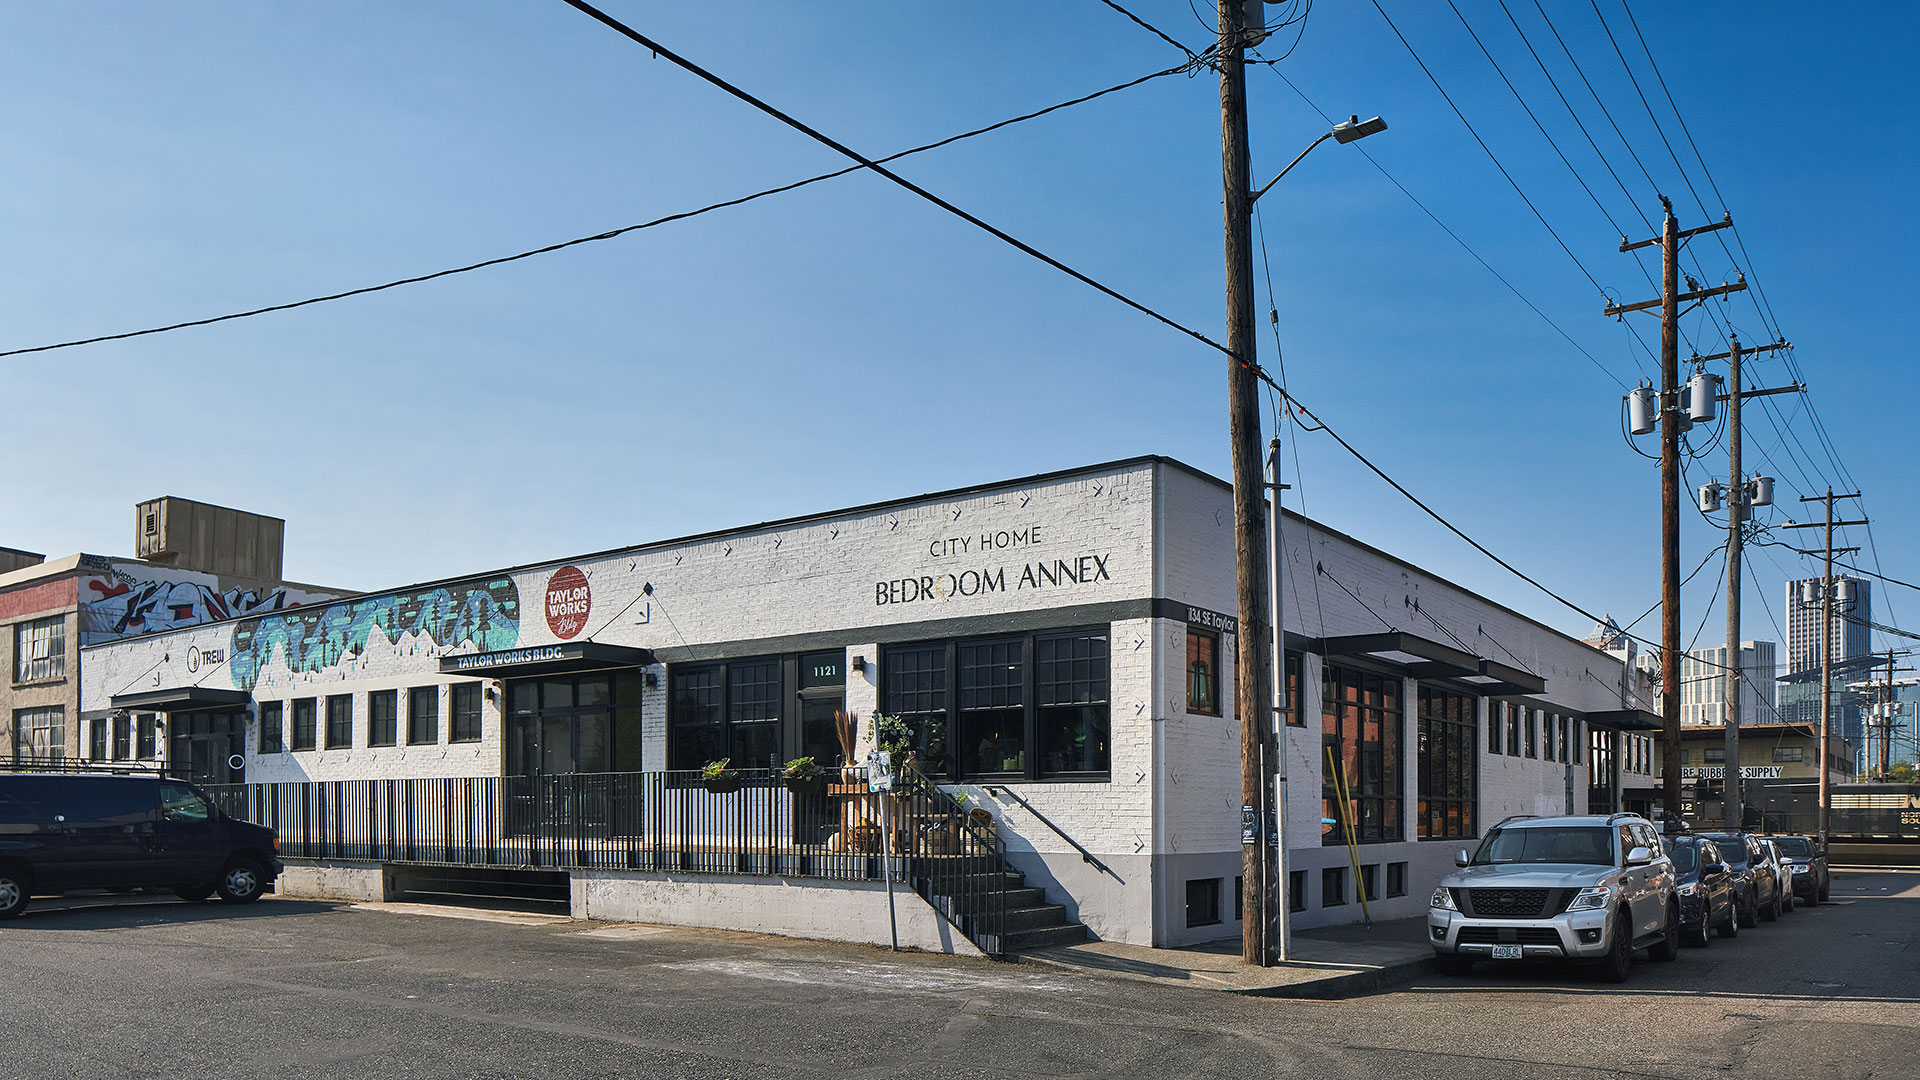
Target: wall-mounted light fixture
[[492, 692], [859, 663], [652, 680]]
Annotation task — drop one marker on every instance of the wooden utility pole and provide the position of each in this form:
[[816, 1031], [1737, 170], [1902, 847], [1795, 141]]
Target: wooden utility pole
[[1826, 644], [1739, 502], [1252, 679], [1670, 239]]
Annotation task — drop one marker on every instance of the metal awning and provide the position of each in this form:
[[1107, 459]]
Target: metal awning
[[1625, 720], [180, 699], [1499, 680], [1415, 655], [546, 660]]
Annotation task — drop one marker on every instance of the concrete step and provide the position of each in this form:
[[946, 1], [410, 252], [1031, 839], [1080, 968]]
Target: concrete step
[[974, 903], [1040, 938], [1016, 919]]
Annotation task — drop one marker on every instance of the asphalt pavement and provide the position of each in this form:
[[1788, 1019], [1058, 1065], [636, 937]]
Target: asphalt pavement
[[137, 988]]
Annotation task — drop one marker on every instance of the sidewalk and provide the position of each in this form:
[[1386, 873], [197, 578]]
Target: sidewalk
[[1330, 962]]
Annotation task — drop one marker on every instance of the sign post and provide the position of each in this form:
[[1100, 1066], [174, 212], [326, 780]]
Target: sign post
[[880, 779]]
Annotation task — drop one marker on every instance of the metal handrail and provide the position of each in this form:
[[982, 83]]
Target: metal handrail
[[1085, 855], [34, 763]]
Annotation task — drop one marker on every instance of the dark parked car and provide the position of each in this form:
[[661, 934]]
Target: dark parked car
[[1755, 888], [61, 832], [1705, 888], [1808, 865]]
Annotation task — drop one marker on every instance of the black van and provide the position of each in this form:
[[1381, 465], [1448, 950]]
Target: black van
[[65, 831]]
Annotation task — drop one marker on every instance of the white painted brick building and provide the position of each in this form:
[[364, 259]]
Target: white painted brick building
[[1066, 638]]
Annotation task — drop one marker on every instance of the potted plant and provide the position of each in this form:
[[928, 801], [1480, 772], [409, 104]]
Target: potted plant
[[804, 776], [719, 777]]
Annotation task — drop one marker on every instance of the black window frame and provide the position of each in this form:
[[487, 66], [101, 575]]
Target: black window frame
[[1203, 902], [1376, 797], [146, 736], [1062, 672], [273, 732], [1789, 755], [339, 726], [305, 734], [97, 738], [466, 714], [1333, 884], [1203, 684], [122, 737], [416, 716], [383, 718], [1447, 760], [1396, 879], [1496, 726], [1295, 664]]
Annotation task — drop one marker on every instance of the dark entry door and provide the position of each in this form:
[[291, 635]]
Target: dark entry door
[[206, 747], [565, 733]]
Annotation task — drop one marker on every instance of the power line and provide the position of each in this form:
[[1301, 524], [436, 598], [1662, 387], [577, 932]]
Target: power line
[[1144, 25], [1464, 246], [608, 235], [696, 70], [1483, 145]]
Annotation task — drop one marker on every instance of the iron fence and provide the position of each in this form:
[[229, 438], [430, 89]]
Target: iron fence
[[752, 822]]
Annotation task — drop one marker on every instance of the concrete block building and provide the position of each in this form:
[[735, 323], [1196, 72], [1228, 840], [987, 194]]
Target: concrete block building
[[1059, 647]]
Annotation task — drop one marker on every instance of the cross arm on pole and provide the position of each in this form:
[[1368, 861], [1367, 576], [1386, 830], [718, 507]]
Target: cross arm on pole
[[1683, 298], [1723, 223]]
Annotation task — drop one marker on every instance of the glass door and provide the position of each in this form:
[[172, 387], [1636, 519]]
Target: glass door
[[207, 747]]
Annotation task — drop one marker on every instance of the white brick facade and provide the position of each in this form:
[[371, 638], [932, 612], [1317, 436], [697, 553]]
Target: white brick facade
[[1130, 547]]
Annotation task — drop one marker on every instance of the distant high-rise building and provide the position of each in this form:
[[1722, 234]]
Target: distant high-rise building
[[1703, 685], [1850, 631]]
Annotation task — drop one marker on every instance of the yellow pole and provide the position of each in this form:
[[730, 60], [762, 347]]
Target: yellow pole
[[1346, 819]]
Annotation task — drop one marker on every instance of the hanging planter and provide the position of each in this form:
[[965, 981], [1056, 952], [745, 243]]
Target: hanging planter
[[719, 778], [803, 776]]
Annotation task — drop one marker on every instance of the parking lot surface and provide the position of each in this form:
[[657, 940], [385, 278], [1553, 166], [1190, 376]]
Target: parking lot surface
[[150, 987]]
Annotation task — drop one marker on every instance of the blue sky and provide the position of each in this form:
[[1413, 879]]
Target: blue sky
[[849, 343]]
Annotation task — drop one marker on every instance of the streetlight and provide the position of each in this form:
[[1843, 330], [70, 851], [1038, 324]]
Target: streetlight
[[1352, 129], [1260, 791]]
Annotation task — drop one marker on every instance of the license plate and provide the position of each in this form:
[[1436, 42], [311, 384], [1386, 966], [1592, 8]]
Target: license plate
[[1506, 952]]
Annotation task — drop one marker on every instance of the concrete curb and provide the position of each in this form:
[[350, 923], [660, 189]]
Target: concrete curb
[[1348, 984]]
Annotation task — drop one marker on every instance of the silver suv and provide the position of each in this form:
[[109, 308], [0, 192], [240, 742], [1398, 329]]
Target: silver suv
[[1596, 887]]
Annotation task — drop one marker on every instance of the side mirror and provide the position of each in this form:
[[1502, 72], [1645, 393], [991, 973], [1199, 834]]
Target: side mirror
[[1639, 856], [1713, 869], [1463, 858]]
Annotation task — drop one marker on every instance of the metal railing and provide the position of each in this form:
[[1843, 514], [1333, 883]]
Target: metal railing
[[48, 763], [754, 822], [1085, 855]]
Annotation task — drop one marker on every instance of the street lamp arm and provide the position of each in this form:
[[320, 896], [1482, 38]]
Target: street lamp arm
[[1263, 188]]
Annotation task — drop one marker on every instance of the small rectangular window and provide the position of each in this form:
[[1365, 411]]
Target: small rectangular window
[[1516, 716], [383, 717], [40, 649], [1203, 901], [423, 715], [1239, 898], [340, 721], [122, 737], [1788, 753], [147, 737], [271, 731], [1296, 890], [1396, 879], [305, 724], [1715, 755], [97, 738], [1203, 672], [1369, 881], [466, 713], [1532, 732], [40, 733], [1496, 734], [1333, 886], [1294, 715]]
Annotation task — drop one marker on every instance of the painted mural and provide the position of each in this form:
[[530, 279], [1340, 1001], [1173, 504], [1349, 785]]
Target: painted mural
[[118, 604], [483, 614]]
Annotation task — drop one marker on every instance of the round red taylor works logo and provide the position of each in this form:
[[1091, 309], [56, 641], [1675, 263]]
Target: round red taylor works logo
[[568, 602]]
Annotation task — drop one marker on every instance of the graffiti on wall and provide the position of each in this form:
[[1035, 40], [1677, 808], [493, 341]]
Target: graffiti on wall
[[119, 605], [483, 614]]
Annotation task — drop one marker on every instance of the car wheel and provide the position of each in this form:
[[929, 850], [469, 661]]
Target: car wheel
[[1453, 963], [1771, 912], [1813, 898], [1668, 947], [1730, 928], [1701, 936], [1750, 918], [193, 892], [15, 888], [242, 882], [1619, 959]]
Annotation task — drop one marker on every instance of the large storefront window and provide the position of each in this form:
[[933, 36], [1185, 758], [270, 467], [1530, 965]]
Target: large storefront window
[[586, 723], [1022, 708], [1446, 763], [758, 711], [1361, 724]]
